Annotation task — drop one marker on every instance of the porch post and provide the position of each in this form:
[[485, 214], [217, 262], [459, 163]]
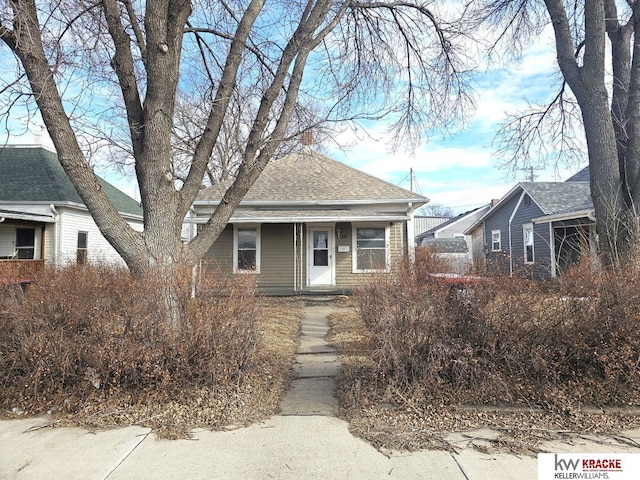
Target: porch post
[[411, 236], [552, 247]]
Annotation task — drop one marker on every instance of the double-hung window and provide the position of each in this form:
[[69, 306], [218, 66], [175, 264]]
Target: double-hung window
[[246, 249], [81, 253], [370, 249], [496, 241], [527, 233]]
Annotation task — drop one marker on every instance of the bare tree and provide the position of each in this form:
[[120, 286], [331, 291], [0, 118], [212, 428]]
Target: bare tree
[[608, 96], [437, 210], [124, 67]]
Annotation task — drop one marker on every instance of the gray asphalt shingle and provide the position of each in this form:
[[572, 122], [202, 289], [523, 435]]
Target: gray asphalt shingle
[[558, 197], [309, 176], [34, 174]]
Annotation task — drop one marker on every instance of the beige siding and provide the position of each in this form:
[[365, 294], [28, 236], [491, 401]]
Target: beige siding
[[276, 255], [344, 261], [344, 275], [220, 255], [276, 269]]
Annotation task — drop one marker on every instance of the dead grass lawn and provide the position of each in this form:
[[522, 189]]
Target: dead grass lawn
[[402, 420], [228, 406]]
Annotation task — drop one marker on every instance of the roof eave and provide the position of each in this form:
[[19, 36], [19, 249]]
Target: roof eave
[[494, 209], [415, 202], [559, 217], [306, 219]]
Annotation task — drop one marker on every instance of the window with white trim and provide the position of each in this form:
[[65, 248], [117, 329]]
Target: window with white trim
[[82, 250], [246, 249], [527, 235], [370, 252], [496, 240]]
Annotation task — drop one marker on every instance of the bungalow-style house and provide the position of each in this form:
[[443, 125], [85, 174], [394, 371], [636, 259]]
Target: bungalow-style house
[[538, 229], [42, 217], [449, 240], [311, 224]]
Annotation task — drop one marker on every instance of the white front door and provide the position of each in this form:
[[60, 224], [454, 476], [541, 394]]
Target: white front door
[[320, 256]]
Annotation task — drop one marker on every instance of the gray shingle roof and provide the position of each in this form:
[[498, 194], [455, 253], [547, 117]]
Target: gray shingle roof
[[583, 175], [557, 197], [446, 245], [34, 174], [310, 176]]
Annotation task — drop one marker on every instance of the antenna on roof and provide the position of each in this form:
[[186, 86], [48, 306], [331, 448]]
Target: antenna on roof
[[531, 177]]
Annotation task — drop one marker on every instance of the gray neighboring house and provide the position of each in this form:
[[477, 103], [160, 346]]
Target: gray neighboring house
[[538, 229], [311, 224], [42, 217]]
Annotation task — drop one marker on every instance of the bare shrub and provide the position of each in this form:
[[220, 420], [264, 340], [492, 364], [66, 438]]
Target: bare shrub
[[428, 261], [83, 333], [508, 340]]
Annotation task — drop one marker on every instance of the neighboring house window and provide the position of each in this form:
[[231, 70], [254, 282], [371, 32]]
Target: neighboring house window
[[81, 255], [246, 250], [25, 243], [496, 241], [370, 249], [528, 243]]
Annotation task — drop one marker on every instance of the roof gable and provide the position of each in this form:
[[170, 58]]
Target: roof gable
[[309, 176], [34, 174], [551, 197]]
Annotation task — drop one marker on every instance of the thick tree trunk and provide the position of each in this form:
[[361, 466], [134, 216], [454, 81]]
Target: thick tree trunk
[[588, 85], [606, 187]]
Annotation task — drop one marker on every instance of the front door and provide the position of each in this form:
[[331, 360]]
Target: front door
[[320, 256]]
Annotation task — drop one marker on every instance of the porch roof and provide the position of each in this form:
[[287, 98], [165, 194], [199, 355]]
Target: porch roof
[[587, 213], [306, 216], [27, 216]]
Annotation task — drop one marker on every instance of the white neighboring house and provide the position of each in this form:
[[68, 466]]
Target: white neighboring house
[[449, 241], [44, 220]]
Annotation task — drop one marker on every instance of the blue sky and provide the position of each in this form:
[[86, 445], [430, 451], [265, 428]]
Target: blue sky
[[458, 171], [461, 171]]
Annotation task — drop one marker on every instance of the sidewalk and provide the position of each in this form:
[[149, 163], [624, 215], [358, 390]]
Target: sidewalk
[[306, 441]]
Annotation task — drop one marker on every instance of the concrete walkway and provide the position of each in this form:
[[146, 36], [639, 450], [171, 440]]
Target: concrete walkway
[[306, 441]]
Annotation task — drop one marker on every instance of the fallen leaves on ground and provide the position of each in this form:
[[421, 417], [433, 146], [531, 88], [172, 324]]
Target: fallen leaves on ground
[[400, 420], [227, 406]]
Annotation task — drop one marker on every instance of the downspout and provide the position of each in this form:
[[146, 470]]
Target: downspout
[[513, 214], [295, 257], [552, 247], [57, 234], [411, 241]]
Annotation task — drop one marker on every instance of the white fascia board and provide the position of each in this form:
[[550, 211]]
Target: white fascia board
[[27, 217], [303, 219], [558, 217], [78, 206], [495, 208], [306, 203], [533, 198]]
